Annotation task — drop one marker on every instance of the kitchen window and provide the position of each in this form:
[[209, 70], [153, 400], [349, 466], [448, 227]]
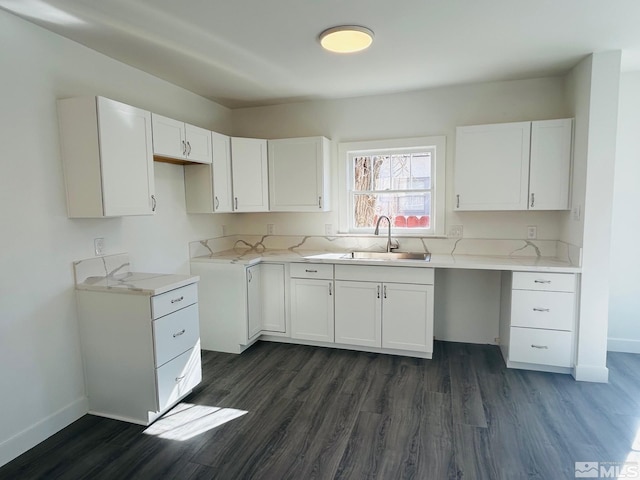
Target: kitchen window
[[401, 179]]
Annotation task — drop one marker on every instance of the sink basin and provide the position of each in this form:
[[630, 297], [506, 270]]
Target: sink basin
[[391, 255]]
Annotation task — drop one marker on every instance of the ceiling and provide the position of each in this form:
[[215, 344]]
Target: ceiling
[[259, 52]]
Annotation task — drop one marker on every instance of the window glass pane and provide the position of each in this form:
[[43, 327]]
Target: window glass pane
[[401, 167], [405, 210], [381, 172], [421, 171], [362, 173]]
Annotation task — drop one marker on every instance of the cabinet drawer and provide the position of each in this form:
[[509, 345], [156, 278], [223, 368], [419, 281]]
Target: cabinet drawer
[[177, 377], [311, 270], [174, 300], [538, 309], [555, 282], [542, 347], [175, 333], [366, 273]]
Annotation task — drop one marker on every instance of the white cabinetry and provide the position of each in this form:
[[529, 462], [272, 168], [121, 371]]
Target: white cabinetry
[[173, 139], [385, 307], [299, 174], [513, 166], [208, 187], [537, 320], [249, 175], [312, 302], [141, 354], [107, 157], [238, 303]]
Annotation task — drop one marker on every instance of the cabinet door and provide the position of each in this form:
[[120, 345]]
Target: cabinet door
[[550, 164], [254, 301], [298, 174], [198, 144], [126, 159], [168, 137], [249, 174], [491, 170], [222, 194], [312, 309], [273, 298], [358, 313], [407, 317]]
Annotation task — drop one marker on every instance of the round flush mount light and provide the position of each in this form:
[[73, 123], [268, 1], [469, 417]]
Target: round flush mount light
[[346, 39]]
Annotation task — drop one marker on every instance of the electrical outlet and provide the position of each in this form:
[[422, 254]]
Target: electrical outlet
[[532, 232], [271, 229], [328, 229], [455, 231], [224, 230], [575, 213], [98, 245]]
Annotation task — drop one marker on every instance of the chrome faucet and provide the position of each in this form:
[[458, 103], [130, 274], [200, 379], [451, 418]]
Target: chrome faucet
[[391, 245]]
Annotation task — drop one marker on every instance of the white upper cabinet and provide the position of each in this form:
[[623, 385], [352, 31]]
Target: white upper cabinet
[[550, 169], [513, 166], [177, 140], [299, 174], [107, 156], [208, 187], [249, 174]]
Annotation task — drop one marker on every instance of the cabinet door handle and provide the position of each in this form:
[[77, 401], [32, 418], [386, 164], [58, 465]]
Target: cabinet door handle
[[385, 291], [184, 148], [189, 148], [542, 281], [319, 202], [457, 201], [153, 203], [540, 347], [179, 299], [177, 334], [536, 309], [330, 289], [217, 203], [378, 291], [236, 199], [533, 198], [310, 271], [179, 379], [250, 275]]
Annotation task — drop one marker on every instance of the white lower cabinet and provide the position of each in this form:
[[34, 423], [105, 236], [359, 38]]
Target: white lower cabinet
[[312, 307], [408, 317], [141, 354], [358, 318], [254, 301]]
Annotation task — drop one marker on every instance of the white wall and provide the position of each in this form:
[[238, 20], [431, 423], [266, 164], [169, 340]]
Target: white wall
[[624, 297], [428, 112], [40, 365]]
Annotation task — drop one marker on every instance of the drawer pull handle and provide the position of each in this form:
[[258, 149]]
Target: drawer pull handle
[[179, 379], [542, 281], [541, 347], [176, 300], [177, 334], [310, 271], [535, 309]]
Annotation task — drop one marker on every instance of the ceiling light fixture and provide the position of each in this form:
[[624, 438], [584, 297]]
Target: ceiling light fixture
[[346, 39]]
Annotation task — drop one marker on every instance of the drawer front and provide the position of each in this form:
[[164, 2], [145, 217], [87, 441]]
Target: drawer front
[[178, 377], [166, 303], [554, 282], [537, 309], [541, 347], [175, 333], [366, 273], [311, 270]]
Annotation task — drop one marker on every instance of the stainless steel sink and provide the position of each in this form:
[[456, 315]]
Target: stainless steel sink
[[391, 255]]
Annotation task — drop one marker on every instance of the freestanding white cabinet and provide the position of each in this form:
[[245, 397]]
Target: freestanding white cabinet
[[312, 302], [299, 174], [208, 187], [141, 353], [249, 174], [513, 166], [173, 139], [107, 157]]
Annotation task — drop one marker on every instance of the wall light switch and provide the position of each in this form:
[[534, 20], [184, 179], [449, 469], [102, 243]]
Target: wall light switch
[[98, 245], [271, 229], [532, 232]]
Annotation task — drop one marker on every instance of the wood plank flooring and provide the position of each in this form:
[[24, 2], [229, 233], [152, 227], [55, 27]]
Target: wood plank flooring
[[294, 412]]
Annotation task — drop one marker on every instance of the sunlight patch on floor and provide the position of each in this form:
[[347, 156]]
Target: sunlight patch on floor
[[186, 421]]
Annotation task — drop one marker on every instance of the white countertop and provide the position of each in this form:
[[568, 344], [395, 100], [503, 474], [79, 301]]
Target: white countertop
[[473, 262], [137, 283]]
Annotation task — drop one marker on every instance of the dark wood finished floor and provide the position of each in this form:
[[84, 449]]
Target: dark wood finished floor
[[324, 413]]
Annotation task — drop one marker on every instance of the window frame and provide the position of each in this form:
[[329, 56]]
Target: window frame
[[347, 150]]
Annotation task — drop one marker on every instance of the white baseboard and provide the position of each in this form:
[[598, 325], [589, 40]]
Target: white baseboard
[[33, 435], [589, 373], [624, 345]]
